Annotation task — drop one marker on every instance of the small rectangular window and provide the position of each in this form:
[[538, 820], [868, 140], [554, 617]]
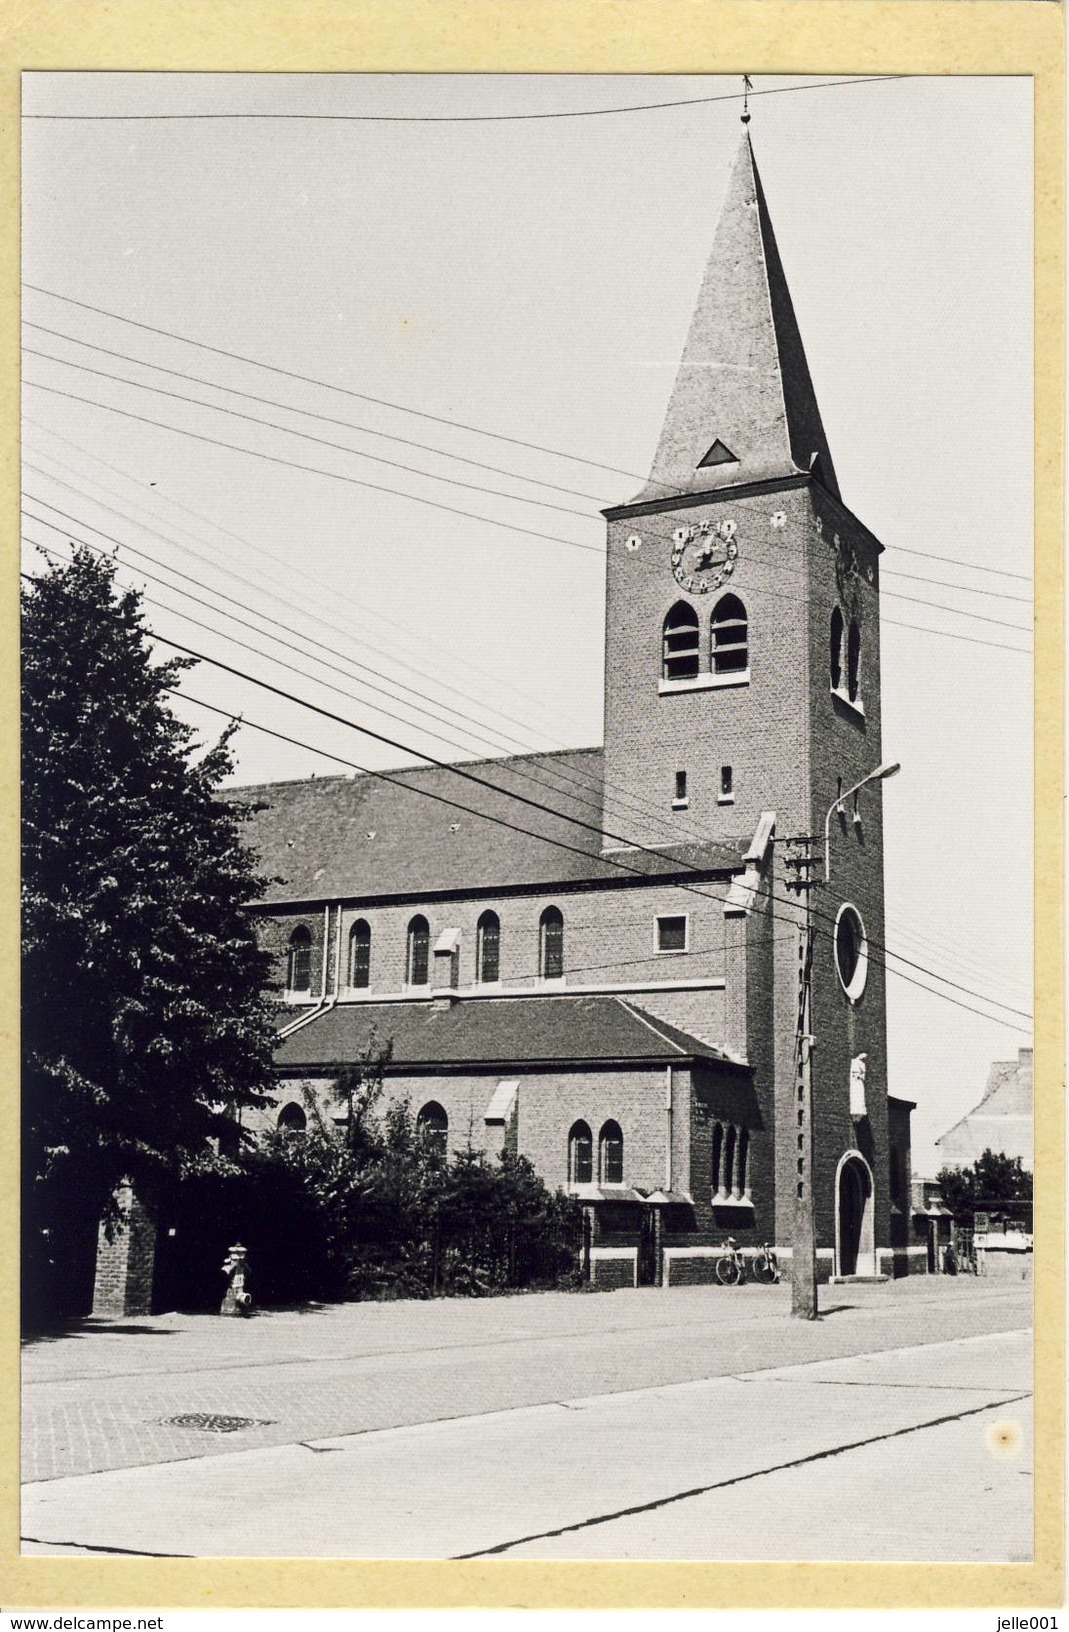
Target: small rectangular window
[[726, 796], [672, 933], [679, 801]]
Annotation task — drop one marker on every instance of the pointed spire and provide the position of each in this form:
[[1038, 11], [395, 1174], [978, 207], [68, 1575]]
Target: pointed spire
[[743, 407]]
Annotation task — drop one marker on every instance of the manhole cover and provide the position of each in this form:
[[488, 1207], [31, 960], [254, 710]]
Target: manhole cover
[[210, 1422]]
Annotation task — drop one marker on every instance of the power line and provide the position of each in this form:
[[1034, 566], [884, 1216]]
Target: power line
[[467, 118], [331, 419], [568, 792], [312, 470], [265, 617], [198, 600], [227, 532], [321, 441], [438, 419], [581, 969], [309, 413], [557, 815], [603, 790], [343, 390], [450, 741], [606, 860], [436, 504]]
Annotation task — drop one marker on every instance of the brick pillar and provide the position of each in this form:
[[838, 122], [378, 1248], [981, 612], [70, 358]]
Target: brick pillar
[[126, 1260]]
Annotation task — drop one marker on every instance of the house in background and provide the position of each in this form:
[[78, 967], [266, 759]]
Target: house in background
[[1001, 1232], [1001, 1122]]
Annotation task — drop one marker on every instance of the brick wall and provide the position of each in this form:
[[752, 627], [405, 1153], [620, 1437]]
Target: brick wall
[[609, 938], [126, 1256]]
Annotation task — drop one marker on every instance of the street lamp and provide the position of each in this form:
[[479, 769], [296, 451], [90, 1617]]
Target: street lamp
[[880, 774]]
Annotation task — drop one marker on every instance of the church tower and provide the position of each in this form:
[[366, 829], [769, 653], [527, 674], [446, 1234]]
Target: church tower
[[743, 676]]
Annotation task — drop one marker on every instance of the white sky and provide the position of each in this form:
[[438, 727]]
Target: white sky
[[537, 279]]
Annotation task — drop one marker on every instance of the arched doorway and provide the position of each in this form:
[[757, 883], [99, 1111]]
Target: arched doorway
[[855, 1252]]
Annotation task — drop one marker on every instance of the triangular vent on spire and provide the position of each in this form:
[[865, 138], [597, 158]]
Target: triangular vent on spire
[[718, 455]]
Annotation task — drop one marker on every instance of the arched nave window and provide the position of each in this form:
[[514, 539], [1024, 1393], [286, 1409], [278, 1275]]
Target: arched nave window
[[360, 953], [611, 1154], [299, 961], [580, 1154], [419, 949], [551, 944], [488, 949], [433, 1123]]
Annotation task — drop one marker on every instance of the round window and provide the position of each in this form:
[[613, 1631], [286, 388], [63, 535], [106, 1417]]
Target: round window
[[851, 951]]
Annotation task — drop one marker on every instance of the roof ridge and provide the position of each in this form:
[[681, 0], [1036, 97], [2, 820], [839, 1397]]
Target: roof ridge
[[652, 1025], [411, 770]]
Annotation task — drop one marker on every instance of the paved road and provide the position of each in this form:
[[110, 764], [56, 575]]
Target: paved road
[[102, 1396], [633, 1425], [918, 1454]]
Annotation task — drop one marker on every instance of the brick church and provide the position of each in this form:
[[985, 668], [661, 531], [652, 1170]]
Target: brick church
[[610, 985]]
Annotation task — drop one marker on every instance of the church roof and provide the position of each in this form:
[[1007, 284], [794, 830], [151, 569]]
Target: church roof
[[743, 407], [503, 1031], [360, 837], [1002, 1122]]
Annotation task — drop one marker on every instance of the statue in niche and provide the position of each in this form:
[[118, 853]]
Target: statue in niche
[[857, 1086]]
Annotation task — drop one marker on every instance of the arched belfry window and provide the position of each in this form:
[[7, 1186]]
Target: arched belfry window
[[488, 949], [432, 1124], [551, 944], [360, 953], [853, 662], [681, 647], [836, 650], [419, 948], [299, 961], [580, 1154], [730, 636], [611, 1154]]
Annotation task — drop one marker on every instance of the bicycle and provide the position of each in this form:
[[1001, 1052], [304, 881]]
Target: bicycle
[[766, 1266], [731, 1269]]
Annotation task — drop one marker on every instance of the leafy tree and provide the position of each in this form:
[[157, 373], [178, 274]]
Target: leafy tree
[[993, 1182], [358, 1088], [145, 1026]]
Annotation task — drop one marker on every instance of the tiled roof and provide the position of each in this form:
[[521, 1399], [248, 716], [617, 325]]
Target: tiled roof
[[491, 1031], [359, 837]]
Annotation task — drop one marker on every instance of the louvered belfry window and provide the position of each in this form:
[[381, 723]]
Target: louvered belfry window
[[681, 643], [730, 636]]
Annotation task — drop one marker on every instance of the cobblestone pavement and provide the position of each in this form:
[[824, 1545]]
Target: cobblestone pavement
[[99, 1396]]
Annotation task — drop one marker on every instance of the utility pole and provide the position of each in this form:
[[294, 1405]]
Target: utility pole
[[799, 866]]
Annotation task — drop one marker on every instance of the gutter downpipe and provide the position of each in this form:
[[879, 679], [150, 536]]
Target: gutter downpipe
[[323, 1002], [668, 1129]]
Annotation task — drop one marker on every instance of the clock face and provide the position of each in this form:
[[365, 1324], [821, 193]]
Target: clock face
[[704, 555]]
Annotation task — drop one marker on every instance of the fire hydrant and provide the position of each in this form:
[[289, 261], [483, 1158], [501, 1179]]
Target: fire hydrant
[[237, 1301]]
